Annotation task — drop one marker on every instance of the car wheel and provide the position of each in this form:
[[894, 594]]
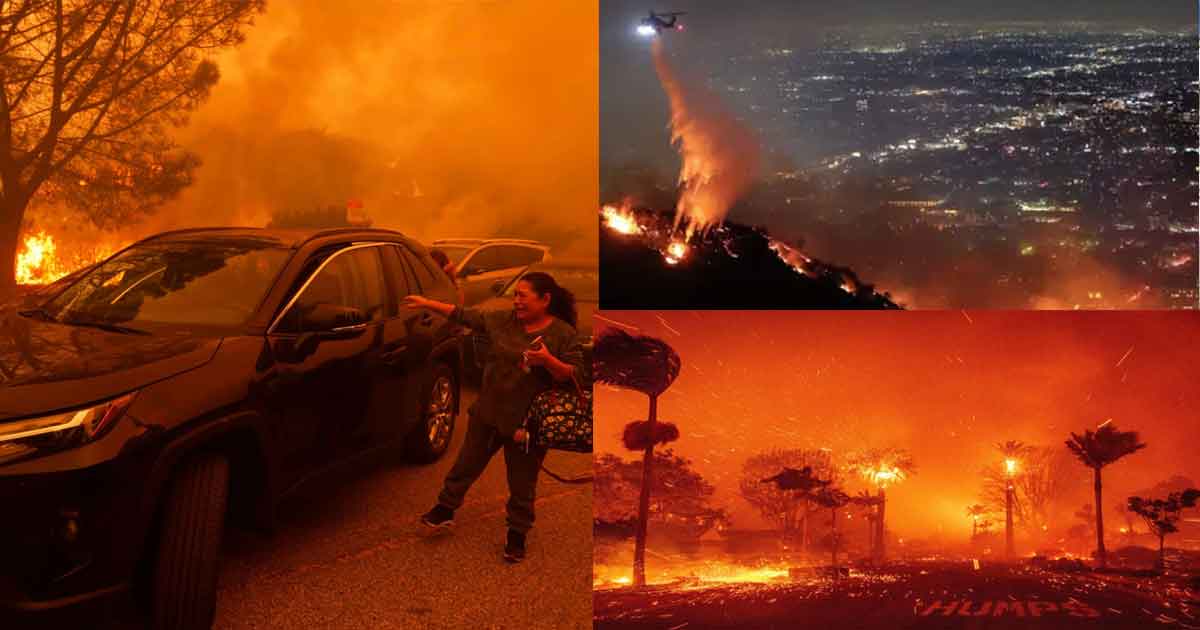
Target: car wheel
[[431, 437], [185, 573]]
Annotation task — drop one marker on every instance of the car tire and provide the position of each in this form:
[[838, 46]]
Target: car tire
[[185, 572], [439, 404]]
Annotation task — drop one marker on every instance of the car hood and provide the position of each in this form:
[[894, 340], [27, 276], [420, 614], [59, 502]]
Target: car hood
[[47, 366]]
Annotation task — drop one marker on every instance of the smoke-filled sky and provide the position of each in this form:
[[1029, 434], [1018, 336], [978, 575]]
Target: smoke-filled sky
[[946, 385], [446, 118]]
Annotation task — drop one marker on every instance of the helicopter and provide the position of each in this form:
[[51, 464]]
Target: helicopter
[[655, 23]]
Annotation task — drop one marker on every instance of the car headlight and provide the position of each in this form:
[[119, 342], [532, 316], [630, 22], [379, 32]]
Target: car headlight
[[61, 430]]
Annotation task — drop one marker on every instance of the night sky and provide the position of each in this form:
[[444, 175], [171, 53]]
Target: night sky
[[946, 385], [633, 109]]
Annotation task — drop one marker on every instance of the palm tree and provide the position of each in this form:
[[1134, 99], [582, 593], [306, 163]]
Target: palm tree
[[974, 512], [647, 365], [1097, 450], [883, 467]]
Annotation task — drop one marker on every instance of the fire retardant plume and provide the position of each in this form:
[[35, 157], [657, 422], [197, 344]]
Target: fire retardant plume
[[720, 154]]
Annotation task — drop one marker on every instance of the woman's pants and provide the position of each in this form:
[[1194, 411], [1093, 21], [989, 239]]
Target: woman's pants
[[481, 443]]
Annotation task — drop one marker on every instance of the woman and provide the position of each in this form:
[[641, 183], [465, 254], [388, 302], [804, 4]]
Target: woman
[[533, 346]]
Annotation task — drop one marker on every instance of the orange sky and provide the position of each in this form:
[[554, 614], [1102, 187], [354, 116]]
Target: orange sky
[[945, 385]]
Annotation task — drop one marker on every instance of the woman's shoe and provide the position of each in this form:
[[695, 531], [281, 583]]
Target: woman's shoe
[[514, 549], [440, 518]]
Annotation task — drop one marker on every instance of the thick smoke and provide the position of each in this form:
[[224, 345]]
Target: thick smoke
[[443, 118], [720, 154]]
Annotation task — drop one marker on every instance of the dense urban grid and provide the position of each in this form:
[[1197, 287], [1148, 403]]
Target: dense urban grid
[[1009, 165]]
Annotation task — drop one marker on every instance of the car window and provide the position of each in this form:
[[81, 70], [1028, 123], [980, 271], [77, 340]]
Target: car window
[[486, 260], [351, 279], [402, 277], [454, 252], [518, 256], [425, 278], [202, 282]]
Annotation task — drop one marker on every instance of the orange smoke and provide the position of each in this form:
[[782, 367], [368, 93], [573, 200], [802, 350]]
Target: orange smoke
[[720, 155]]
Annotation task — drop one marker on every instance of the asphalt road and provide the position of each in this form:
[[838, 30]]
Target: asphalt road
[[349, 553], [917, 596]]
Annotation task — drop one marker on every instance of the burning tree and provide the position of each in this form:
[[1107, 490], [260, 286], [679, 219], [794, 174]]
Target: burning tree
[[88, 90], [780, 504], [647, 365], [1096, 450], [1047, 476], [680, 499], [1162, 515], [882, 467]]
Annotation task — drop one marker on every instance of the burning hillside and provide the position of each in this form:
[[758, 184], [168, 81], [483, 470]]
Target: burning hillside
[[647, 264]]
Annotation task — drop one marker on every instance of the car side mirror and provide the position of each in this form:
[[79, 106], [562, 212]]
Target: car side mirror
[[498, 287], [470, 270], [333, 319]]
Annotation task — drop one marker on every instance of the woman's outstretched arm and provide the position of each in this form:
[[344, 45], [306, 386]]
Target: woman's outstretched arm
[[470, 317]]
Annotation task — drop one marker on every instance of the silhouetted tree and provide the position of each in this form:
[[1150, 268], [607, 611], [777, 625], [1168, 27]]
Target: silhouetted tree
[[680, 498], [647, 365], [88, 91], [1162, 515], [778, 503], [1096, 450], [833, 499]]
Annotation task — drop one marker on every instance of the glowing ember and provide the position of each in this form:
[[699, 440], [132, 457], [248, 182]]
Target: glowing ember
[[676, 252], [620, 220]]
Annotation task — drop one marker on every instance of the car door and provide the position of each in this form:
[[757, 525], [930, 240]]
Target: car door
[[321, 381], [404, 348]]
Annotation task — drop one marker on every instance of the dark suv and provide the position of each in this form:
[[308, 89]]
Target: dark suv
[[196, 372]]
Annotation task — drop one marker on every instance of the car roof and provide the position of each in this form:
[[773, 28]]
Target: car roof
[[479, 242], [284, 237]]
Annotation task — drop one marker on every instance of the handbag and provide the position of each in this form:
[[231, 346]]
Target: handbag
[[561, 419]]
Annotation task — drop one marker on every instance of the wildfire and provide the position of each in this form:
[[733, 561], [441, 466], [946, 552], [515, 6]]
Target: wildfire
[[620, 220], [39, 260]]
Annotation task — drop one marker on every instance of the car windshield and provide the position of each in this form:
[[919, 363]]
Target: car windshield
[[455, 252], [583, 283], [212, 282]]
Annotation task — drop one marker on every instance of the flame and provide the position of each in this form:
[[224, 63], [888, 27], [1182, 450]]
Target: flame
[[620, 220], [39, 260], [694, 574], [883, 475], [676, 252]]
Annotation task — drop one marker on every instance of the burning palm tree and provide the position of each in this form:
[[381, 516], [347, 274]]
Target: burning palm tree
[[1012, 451], [883, 467], [647, 365], [975, 512], [1097, 450]]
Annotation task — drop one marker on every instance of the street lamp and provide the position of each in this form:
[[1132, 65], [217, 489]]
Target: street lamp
[[1010, 469]]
